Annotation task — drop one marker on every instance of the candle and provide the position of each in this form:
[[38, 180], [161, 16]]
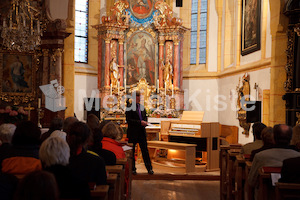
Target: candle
[[157, 86], [125, 83], [165, 88], [172, 90], [39, 103], [110, 89]]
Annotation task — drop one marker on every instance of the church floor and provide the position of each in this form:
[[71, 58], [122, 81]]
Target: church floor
[[175, 190], [169, 183]]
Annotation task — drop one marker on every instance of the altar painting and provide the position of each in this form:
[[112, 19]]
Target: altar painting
[[141, 8], [140, 58]]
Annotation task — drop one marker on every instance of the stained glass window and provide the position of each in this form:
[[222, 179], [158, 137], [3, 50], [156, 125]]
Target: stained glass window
[[194, 27], [81, 31], [198, 33], [203, 25]]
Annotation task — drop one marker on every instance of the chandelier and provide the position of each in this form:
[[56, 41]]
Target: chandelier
[[21, 30]]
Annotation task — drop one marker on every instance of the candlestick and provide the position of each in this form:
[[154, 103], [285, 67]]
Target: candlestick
[[118, 88], [110, 89], [158, 85], [172, 90], [165, 89], [39, 103]]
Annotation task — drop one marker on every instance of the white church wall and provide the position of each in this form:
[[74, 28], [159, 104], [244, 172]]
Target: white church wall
[[227, 88], [212, 62], [84, 85], [201, 96]]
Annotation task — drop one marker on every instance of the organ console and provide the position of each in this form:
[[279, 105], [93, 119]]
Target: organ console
[[190, 129]]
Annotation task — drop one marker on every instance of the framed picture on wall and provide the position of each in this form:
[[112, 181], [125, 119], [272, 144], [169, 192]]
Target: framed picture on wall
[[251, 20], [17, 77]]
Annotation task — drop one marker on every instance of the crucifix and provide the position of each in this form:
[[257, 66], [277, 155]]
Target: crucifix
[[29, 108]]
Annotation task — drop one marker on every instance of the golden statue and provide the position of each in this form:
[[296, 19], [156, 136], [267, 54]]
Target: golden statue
[[114, 72], [244, 90], [168, 73]]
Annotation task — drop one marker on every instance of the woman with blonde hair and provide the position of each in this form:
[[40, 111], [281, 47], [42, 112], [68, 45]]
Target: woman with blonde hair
[[112, 133]]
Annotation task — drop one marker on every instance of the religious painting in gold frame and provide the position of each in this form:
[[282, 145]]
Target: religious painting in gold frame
[[141, 9], [17, 77], [251, 20], [141, 59]]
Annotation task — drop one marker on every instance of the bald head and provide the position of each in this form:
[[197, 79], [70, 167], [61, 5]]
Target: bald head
[[282, 134]]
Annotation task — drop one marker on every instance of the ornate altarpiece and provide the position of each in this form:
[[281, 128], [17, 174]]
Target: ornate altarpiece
[[143, 36]]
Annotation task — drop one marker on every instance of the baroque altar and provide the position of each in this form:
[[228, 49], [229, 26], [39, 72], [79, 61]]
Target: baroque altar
[[140, 47]]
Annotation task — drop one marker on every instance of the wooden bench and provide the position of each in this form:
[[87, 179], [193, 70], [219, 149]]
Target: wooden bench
[[249, 193], [190, 151], [287, 191], [266, 190], [240, 177], [231, 168], [120, 171], [100, 192], [112, 181]]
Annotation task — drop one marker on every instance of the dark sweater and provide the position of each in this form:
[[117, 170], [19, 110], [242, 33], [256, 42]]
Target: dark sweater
[[70, 187]]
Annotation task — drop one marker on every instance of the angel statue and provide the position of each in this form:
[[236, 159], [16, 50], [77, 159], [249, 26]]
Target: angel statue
[[114, 72]]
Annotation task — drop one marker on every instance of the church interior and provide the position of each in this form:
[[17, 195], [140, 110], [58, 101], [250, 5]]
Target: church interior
[[217, 80]]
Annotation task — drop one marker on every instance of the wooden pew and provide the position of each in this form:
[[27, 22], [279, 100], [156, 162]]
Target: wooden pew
[[226, 165], [249, 195], [120, 171], [112, 181], [240, 177], [266, 190], [231, 157], [100, 192], [287, 191]]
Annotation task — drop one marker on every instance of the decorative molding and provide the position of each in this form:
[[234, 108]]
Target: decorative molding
[[289, 68]]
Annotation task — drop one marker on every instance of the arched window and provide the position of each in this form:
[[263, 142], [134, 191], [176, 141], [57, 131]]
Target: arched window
[[198, 19], [81, 30]]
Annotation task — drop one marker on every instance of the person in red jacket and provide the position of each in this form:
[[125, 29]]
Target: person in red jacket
[[111, 133]]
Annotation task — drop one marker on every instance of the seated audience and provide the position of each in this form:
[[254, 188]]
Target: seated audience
[[88, 166], [268, 140], [54, 154], [38, 185], [290, 172], [8, 186], [93, 121], [257, 129], [295, 141], [6, 133], [60, 134], [24, 154], [96, 146], [273, 157], [56, 124], [111, 132], [68, 122]]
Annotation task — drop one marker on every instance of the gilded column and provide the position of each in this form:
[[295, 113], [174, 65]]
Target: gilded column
[[99, 61], [161, 60], [181, 65], [175, 65], [107, 61], [121, 61]]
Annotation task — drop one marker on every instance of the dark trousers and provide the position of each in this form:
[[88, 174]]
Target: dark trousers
[[145, 153]]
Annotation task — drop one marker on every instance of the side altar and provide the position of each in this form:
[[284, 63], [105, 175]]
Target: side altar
[[140, 47]]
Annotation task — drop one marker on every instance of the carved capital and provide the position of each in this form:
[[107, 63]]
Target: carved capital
[[297, 29], [45, 52]]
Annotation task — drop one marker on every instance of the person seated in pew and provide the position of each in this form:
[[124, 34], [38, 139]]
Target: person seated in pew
[[112, 133], [6, 133], [23, 157], [267, 136], [290, 172], [295, 141], [87, 165], [273, 157], [68, 122], [37, 185], [257, 128], [96, 144], [54, 154], [56, 124]]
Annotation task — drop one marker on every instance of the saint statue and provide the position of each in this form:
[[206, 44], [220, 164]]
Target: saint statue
[[168, 73], [244, 90], [114, 72]]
